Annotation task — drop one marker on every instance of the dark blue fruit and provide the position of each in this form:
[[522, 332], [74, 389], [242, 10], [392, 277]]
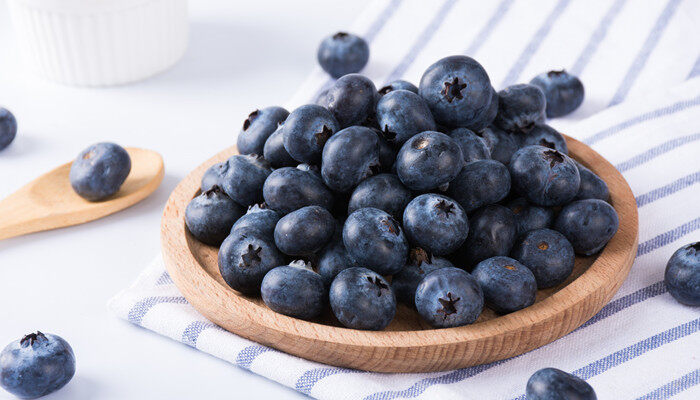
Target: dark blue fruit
[[350, 156], [544, 176], [508, 285], [487, 115], [449, 297], [288, 189], [545, 135], [587, 224], [555, 384], [8, 127], [362, 299], [210, 216], [306, 131], [274, 150], [428, 160], [436, 223], [480, 183], [245, 259], [383, 191], [473, 147], [402, 114], [387, 153], [294, 290], [258, 127], [682, 275], [529, 217], [333, 259], [501, 143], [351, 99], [259, 221], [99, 171], [36, 365], [397, 85], [548, 254], [520, 107], [244, 178], [420, 263], [343, 53], [375, 240], [304, 231], [213, 176], [564, 92], [592, 186], [491, 233]]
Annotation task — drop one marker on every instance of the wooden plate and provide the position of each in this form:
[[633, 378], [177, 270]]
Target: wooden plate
[[408, 344]]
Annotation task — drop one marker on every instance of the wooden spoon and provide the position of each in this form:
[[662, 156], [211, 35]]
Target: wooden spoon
[[49, 201]]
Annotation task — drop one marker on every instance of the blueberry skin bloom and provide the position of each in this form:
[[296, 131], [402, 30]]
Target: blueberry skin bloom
[[213, 176], [491, 233], [544, 176], [306, 131], [564, 92], [555, 384], [682, 274], [245, 259], [473, 147], [99, 171], [548, 254], [351, 99], [210, 216], [436, 223], [402, 114], [529, 217], [449, 297], [383, 191], [520, 107], [480, 183], [8, 127], [258, 127], [428, 160], [420, 263], [288, 189], [258, 221], [457, 90], [587, 224], [343, 53], [545, 135], [508, 285], [244, 178], [501, 143], [294, 290], [397, 85], [362, 299], [592, 186], [375, 240], [350, 156], [274, 150], [304, 231], [36, 365]]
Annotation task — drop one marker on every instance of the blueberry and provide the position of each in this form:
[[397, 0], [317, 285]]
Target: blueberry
[[350, 156], [294, 290], [501, 143], [588, 224], [383, 191], [362, 299], [258, 127], [420, 263], [473, 147], [210, 216], [304, 231], [333, 259], [245, 259], [402, 114], [387, 153], [36, 365], [258, 221], [555, 384], [428, 160], [274, 150], [491, 233], [544, 176], [375, 240], [306, 131], [487, 115], [529, 217], [508, 285], [520, 107], [343, 53], [592, 186], [545, 135], [682, 275], [351, 99], [564, 92], [457, 90], [480, 183], [436, 223], [397, 85], [244, 178], [213, 176], [548, 254], [8, 127], [449, 297], [288, 189], [99, 171]]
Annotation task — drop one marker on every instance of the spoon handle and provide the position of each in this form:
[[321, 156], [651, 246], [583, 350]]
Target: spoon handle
[[19, 216]]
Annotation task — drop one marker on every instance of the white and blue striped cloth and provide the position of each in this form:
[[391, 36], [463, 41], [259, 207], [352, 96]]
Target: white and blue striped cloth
[[637, 60]]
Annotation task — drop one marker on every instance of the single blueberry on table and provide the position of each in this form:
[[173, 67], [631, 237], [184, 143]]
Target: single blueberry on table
[[592, 186], [544, 176], [333, 259], [351, 99], [420, 263], [259, 221], [555, 384], [274, 150], [402, 114], [244, 178], [213, 176], [294, 290], [428, 160], [287, 189], [36, 365], [520, 107], [545, 135], [375, 240], [99, 171], [304, 231], [258, 127], [397, 85], [343, 53], [349, 157], [563, 91], [508, 285], [8, 127], [473, 147], [491, 233], [480, 183], [682, 274], [383, 191], [588, 224], [306, 131], [548, 254], [210, 216], [436, 223], [502, 144], [529, 217], [245, 259], [449, 297], [362, 299]]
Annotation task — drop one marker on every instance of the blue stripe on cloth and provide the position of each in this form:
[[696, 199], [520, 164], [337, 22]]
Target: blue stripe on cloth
[[534, 44], [696, 69], [674, 387], [645, 117], [164, 279], [309, 378], [193, 330], [421, 41], [624, 302], [245, 357], [488, 28], [668, 237], [139, 310], [597, 37], [656, 151], [643, 55], [669, 189]]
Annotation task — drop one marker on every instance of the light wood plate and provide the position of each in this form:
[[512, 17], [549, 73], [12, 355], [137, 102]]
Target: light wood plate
[[408, 344]]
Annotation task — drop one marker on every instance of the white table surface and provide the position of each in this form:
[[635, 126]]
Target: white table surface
[[241, 56]]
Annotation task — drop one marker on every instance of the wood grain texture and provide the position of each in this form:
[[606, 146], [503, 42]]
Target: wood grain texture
[[49, 202], [408, 344]]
